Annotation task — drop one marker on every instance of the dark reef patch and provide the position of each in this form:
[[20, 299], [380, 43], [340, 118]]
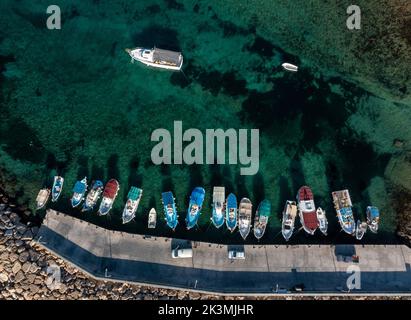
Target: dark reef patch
[[20, 141], [159, 36], [36, 19], [153, 9], [228, 83], [112, 167], [173, 4], [368, 164], [262, 47]]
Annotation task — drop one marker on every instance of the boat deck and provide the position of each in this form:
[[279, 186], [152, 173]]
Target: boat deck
[[117, 256]]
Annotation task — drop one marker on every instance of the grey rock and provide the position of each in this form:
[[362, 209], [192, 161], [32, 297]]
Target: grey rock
[[34, 256], [24, 257], [3, 277], [26, 267], [14, 217], [5, 219], [19, 243], [20, 249], [8, 233], [27, 236], [16, 267], [19, 277]]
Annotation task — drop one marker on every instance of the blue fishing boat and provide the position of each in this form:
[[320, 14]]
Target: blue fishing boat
[[170, 210], [194, 208], [231, 212], [57, 188], [373, 218], [218, 206], [93, 195], [343, 206], [79, 191]]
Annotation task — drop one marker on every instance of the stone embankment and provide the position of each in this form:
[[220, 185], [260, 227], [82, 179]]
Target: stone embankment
[[25, 273]]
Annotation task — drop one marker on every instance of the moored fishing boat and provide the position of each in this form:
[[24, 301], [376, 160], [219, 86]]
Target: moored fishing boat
[[194, 208], [261, 218], [42, 198], [322, 221], [133, 200], [288, 221], [343, 207], [360, 229], [158, 58], [373, 218], [290, 67], [244, 217], [109, 195], [218, 206], [306, 209], [57, 188], [152, 218], [79, 190], [170, 210], [231, 212], [93, 196]]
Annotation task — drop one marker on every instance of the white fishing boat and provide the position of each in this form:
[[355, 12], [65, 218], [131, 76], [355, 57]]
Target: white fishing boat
[[157, 58], [244, 217], [322, 221], [360, 229], [289, 214], [373, 218], [152, 218], [42, 198], [218, 206], [290, 67]]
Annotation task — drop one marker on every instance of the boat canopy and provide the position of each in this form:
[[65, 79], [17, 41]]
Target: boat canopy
[[373, 212], [111, 189], [342, 199], [134, 193], [167, 55], [79, 187], [197, 196], [168, 198], [264, 208], [219, 194], [97, 184], [231, 201]]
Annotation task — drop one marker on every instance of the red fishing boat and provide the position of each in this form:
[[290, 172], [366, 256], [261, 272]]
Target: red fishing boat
[[109, 195], [306, 210]]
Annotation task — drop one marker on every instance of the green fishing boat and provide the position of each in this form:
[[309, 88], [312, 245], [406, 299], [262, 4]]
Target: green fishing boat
[[133, 200]]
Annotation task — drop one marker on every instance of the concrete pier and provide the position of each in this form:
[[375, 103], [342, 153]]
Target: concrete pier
[[117, 256]]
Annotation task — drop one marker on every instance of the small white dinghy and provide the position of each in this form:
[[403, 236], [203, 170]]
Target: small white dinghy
[[290, 67], [152, 218], [322, 221], [360, 229]]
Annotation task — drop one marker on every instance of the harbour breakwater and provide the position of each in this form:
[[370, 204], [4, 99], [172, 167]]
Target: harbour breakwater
[[24, 273]]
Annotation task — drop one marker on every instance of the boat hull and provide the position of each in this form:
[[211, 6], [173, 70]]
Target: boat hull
[[195, 206], [218, 218], [170, 210], [231, 212], [105, 206], [57, 188], [244, 217]]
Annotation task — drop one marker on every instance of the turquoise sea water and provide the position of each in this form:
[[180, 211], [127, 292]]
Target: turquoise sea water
[[73, 104]]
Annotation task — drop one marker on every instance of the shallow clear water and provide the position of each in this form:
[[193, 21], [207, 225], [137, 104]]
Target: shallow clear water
[[73, 104]]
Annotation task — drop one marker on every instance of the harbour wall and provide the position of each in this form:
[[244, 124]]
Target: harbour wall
[[266, 270]]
